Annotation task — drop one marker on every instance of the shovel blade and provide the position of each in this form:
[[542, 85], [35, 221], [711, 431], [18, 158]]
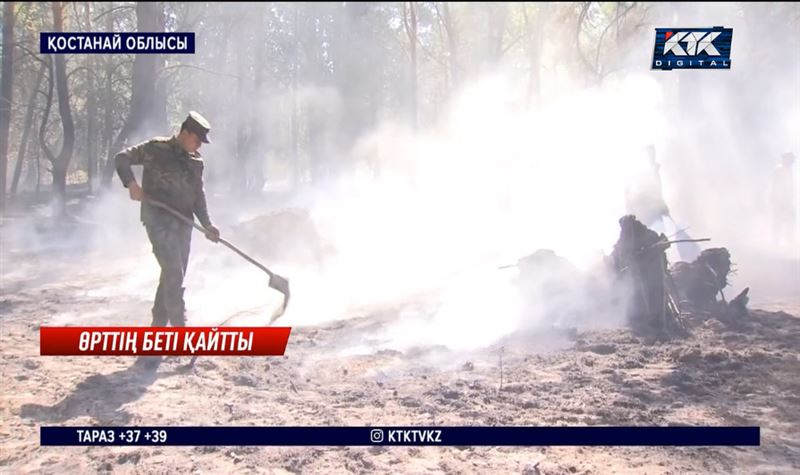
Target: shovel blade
[[281, 284]]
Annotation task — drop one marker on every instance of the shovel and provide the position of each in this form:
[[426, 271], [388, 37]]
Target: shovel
[[277, 282]]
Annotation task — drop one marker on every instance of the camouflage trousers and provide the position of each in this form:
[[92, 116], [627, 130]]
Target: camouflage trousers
[[171, 242]]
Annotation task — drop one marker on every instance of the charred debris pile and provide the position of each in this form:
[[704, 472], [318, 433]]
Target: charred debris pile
[[656, 296]]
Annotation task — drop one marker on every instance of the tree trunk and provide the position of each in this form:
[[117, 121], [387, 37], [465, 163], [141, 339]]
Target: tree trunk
[[258, 141], [241, 177], [23, 145], [48, 104], [410, 22], [108, 94], [294, 126], [91, 132], [64, 112], [452, 45], [91, 111], [38, 154], [61, 164], [60, 188], [535, 40], [148, 113], [497, 14], [5, 95]]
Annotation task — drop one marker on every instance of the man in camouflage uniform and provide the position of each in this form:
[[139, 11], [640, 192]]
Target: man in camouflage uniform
[[173, 175]]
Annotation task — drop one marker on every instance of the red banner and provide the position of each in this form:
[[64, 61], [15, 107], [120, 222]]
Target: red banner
[[163, 341]]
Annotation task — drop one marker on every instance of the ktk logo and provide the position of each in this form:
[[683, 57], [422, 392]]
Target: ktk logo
[[692, 48], [696, 43]]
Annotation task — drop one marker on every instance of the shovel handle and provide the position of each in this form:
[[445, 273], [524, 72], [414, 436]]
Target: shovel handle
[[245, 256], [202, 229]]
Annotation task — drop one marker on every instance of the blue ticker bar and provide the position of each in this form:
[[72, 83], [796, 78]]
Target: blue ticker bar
[[404, 436]]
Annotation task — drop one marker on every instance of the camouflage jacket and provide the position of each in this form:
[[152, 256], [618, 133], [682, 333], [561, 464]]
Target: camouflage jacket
[[170, 175]]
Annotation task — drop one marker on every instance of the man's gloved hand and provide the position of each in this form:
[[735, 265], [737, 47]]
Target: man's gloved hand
[[212, 233], [135, 191]]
